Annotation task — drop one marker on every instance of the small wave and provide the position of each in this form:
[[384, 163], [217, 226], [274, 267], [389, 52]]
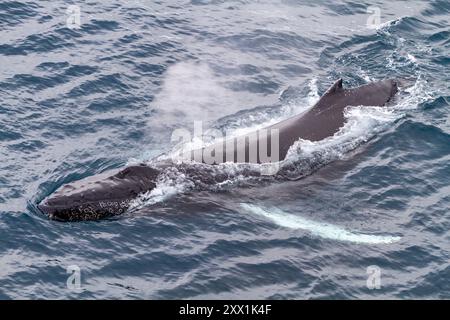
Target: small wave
[[321, 229], [420, 92], [386, 25]]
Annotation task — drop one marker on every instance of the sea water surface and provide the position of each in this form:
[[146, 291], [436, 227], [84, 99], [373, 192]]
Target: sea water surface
[[87, 86]]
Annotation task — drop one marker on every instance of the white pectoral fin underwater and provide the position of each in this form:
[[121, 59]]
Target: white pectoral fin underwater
[[316, 228], [112, 193]]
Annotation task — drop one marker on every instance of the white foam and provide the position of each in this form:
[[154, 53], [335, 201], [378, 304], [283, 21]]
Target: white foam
[[170, 183], [411, 58], [386, 25], [321, 229], [361, 125], [418, 93]]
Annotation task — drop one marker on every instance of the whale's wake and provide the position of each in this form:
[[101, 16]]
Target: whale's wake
[[321, 229]]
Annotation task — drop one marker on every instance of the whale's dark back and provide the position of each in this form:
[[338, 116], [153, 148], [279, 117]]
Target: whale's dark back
[[322, 120], [326, 117]]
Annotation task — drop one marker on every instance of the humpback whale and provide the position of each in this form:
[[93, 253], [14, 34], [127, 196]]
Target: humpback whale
[[112, 192]]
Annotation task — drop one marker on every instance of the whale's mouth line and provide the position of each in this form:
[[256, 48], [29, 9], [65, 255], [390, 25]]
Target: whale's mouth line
[[320, 229]]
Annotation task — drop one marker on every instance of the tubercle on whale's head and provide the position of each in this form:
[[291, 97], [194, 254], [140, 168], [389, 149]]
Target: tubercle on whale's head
[[99, 196]]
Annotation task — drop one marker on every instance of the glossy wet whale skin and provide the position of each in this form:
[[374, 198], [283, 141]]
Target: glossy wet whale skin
[[322, 120]]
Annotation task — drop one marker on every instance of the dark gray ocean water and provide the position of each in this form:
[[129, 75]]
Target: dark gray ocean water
[[365, 214]]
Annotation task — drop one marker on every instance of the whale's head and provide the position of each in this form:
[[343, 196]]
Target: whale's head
[[99, 196]]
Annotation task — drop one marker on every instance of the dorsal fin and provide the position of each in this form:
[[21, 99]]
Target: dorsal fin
[[323, 101], [336, 87]]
